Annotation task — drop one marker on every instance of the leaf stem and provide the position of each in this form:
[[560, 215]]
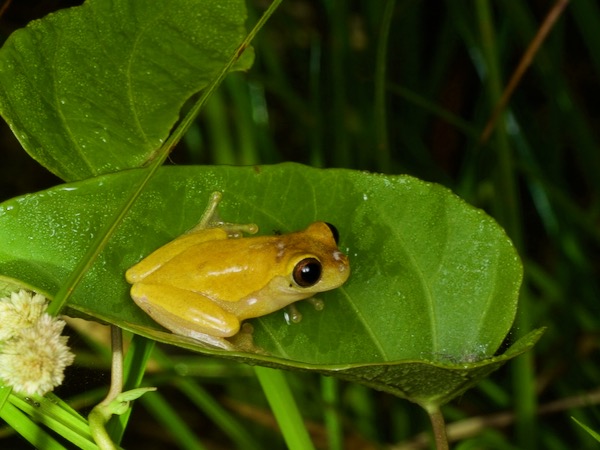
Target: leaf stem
[[438, 425], [100, 414]]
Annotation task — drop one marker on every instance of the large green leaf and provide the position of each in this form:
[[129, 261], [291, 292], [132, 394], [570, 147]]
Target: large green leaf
[[431, 297], [96, 88]]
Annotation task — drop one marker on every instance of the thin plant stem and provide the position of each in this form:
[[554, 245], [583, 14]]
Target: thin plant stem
[[156, 161], [98, 417], [473, 426], [381, 133], [507, 210], [438, 425], [4, 7], [341, 144], [526, 60]]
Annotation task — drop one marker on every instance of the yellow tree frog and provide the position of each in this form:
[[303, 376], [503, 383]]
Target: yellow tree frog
[[206, 282]]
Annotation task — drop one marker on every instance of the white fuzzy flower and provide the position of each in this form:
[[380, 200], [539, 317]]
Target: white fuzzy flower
[[20, 311], [34, 355]]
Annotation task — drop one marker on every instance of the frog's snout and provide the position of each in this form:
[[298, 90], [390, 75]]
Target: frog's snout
[[342, 260]]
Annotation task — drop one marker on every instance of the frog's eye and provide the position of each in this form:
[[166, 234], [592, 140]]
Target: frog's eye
[[334, 231], [307, 272]]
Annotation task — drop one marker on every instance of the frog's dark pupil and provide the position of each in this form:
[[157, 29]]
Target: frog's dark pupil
[[307, 272]]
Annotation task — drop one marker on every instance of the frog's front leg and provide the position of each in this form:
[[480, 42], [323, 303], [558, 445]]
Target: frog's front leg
[[187, 313], [211, 219]]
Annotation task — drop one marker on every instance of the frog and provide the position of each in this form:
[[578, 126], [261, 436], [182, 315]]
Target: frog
[[205, 283]]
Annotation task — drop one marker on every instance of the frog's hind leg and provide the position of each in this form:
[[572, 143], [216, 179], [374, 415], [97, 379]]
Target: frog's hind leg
[[187, 313]]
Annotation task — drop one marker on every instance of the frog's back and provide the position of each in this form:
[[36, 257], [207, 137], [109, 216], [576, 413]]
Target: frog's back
[[225, 270]]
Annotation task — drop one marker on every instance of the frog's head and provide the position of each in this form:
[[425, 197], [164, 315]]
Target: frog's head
[[314, 262]]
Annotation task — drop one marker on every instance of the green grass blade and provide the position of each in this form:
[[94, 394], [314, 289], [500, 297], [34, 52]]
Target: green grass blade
[[217, 413], [591, 432], [333, 423], [164, 412], [283, 405], [28, 429]]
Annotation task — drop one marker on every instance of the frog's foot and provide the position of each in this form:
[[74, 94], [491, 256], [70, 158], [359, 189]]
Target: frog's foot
[[317, 303], [211, 219], [292, 315], [237, 230], [213, 341], [243, 341]]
